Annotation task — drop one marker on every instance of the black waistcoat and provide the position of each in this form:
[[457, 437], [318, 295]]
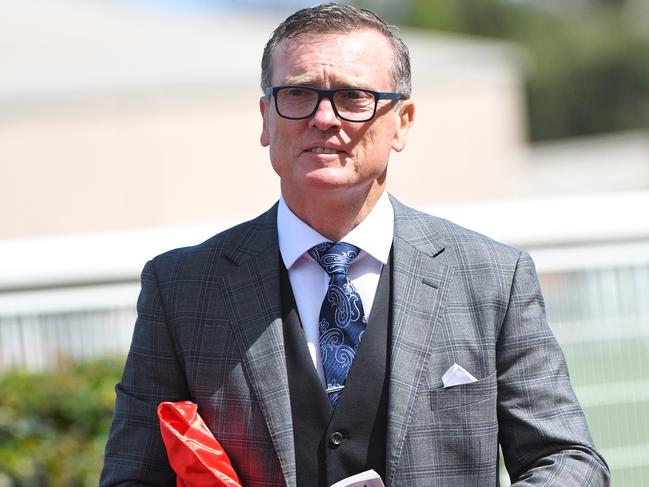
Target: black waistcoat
[[331, 444]]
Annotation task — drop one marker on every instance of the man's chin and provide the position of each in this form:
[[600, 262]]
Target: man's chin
[[332, 178]]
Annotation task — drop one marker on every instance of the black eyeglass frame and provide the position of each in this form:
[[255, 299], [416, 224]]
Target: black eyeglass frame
[[329, 94]]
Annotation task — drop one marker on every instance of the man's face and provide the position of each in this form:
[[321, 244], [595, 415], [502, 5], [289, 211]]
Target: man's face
[[324, 155]]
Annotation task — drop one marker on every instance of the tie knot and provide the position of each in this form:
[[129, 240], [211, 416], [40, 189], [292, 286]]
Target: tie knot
[[334, 258]]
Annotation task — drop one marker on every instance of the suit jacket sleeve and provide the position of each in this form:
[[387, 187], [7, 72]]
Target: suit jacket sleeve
[[135, 453], [543, 432]]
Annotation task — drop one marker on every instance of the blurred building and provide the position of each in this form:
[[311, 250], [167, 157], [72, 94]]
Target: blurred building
[[117, 118]]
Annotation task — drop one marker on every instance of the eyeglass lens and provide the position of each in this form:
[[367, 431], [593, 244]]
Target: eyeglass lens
[[298, 102]]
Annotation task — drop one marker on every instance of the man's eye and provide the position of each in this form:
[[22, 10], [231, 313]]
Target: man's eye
[[296, 92], [356, 95]]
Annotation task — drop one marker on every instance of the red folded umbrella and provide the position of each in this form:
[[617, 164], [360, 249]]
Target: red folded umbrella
[[195, 455]]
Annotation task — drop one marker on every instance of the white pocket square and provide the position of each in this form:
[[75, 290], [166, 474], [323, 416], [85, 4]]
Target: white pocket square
[[456, 375]]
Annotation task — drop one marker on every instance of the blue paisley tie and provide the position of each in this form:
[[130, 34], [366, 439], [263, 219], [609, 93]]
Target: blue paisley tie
[[342, 319]]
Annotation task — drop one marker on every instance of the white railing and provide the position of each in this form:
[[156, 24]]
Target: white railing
[[84, 287]]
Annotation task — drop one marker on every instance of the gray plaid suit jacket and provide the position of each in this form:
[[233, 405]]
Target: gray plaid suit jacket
[[209, 330]]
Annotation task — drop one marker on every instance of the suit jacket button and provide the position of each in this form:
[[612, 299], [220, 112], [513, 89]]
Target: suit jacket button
[[336, 439]]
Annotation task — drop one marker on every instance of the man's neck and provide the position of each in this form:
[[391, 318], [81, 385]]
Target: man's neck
[[334, 215]]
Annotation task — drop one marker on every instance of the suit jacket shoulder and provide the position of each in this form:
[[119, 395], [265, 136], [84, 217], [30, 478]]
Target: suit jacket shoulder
[[234, 244], [431, 231]]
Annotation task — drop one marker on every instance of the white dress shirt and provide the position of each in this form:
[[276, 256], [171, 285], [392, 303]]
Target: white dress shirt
[[309, 281]]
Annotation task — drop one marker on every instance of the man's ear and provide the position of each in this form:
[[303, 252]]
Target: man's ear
[[406, 119], [264, 139]]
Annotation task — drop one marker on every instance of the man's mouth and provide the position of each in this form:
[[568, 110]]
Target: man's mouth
[[323, 150]]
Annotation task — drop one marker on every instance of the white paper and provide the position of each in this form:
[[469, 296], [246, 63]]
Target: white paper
[[456, 375], [369, 478]]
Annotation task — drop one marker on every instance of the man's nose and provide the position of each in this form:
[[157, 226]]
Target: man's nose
[[324, 117]]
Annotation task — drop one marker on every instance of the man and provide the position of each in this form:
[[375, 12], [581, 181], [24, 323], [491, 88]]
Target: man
[[312, 361]]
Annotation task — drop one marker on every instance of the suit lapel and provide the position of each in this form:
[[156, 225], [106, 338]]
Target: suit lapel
[[252, 295], [420, 286]]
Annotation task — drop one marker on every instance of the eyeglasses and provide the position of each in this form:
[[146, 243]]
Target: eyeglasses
[[351, 104]]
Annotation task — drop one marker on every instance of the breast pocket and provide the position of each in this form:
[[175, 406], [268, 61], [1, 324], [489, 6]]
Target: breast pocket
[[463, 395], [462, 430]]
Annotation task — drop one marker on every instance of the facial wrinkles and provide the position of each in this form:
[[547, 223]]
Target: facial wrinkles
[[320, 72], [316, 61]]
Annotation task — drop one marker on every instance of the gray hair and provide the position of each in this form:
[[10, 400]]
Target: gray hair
[[333, 17]]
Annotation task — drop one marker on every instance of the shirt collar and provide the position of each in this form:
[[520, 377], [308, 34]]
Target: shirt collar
[[373, 235]]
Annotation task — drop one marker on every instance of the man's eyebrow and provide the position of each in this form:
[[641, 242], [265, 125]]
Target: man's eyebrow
[[299, 80]]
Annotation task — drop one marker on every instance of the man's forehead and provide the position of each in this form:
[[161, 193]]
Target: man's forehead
[[301, 60]]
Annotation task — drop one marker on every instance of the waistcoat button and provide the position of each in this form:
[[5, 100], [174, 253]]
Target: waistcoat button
[[336, 438]]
